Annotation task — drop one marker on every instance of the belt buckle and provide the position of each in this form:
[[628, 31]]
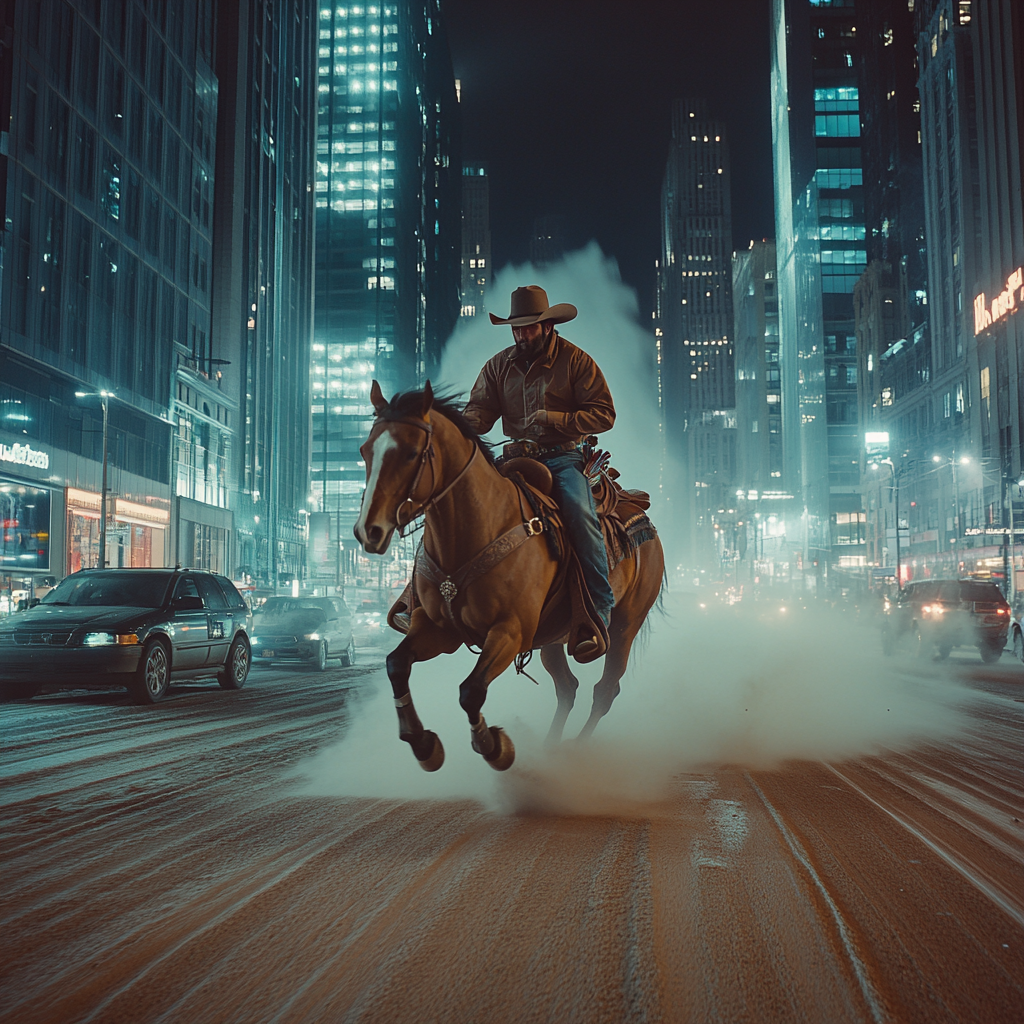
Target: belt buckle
[[534, 527]]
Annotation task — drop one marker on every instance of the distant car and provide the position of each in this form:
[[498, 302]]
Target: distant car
[[138, 628], [938, 615], [1017, 632], [308, 629]]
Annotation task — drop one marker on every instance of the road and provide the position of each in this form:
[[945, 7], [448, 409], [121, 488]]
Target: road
[[175, 864]]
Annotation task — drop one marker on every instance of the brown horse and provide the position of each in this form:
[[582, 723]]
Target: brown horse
[[422, 457]]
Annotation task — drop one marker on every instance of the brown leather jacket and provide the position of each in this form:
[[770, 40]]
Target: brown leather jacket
[[564, 382]]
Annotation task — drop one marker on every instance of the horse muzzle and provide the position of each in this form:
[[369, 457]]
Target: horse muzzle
[[374, 538]]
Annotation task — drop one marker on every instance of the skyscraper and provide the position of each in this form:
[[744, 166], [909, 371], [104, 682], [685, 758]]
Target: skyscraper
[[388, 225], [108, 163], [263, 276], [476, 238], [821, 251], [696, 365]]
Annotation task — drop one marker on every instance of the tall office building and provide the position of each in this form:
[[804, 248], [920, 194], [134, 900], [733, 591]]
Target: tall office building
[[388, 226], [262, 288], [821, 252], [476, 238], [696, 365], [107, 157], [997, 288], [758, 382]]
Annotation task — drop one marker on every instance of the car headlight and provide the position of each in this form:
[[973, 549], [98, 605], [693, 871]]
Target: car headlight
[[311, 636], [109, 639]]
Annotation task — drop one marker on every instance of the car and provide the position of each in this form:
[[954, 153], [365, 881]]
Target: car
[[138, 628], [1017, 630], [306, 629], [938, 615]]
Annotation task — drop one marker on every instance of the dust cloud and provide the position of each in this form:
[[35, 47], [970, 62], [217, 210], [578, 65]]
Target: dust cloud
[[752, 687], [747, 684]]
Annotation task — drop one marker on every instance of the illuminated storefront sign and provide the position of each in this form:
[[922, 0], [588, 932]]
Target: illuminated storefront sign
[[24, 455], [1006, 302]]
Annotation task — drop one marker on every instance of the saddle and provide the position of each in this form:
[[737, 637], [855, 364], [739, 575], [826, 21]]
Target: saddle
[[568, 615]]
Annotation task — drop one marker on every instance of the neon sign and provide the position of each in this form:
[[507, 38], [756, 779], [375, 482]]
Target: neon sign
[[1003, 304]]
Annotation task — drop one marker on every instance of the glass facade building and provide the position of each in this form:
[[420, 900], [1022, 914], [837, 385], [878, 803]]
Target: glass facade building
[[476, 239], [388, 227], [821, 252], [108, 156], [695, 348], [263, 275]]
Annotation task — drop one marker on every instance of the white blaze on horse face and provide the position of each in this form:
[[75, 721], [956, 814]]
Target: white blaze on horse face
[[384, 444]]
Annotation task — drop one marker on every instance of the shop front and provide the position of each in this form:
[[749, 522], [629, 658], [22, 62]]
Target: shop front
[[136, 531], [27, 511]]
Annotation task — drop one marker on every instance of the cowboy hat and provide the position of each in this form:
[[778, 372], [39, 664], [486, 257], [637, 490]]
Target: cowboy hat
[[530, 306]]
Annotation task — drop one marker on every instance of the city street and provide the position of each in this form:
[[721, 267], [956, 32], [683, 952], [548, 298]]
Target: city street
[[171, 864]]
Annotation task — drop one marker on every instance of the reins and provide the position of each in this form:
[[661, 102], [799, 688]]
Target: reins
[[427, 455]]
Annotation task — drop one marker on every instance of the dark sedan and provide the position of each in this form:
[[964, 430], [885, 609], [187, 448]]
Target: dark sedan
[[308, 629], [138, 628]]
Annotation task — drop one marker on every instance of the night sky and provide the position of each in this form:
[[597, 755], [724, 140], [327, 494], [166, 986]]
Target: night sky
[[569, 102]]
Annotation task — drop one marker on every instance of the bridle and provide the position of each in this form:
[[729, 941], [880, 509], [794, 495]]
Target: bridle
[[426, 456]]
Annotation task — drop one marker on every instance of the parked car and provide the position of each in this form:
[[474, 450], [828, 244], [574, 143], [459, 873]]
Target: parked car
[[138, 628], [938, 615], [308, 629]]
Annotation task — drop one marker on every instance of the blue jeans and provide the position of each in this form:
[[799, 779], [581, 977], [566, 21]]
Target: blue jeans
[[574, 497]]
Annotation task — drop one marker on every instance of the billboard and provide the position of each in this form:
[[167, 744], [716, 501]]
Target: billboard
[[321, 563]]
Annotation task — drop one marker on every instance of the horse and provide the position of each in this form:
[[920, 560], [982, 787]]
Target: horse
[[423, 458]]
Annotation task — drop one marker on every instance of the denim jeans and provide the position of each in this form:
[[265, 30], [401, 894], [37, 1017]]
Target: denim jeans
[[573, 494]]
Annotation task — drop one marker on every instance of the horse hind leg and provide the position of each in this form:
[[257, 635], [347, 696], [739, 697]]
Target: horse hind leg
[[606, 689], [424, 641], [566, 684]]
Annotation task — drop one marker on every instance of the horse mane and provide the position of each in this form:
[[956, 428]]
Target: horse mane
[[448, 403]]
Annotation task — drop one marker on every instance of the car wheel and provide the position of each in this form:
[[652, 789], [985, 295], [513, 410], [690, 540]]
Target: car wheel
[[320, 658], [236, 669], [943, 652], [348, 657], [153, 676], [991, 652], [1018, 645]]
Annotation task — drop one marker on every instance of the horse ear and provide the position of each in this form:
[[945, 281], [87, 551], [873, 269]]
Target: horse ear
[[428, 399], [377, 398]]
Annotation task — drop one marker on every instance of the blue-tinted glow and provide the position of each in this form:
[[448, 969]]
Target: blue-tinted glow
[[843, 126], [839, 177]]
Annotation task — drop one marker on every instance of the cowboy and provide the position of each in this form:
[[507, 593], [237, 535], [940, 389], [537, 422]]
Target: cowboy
[[551, 393]]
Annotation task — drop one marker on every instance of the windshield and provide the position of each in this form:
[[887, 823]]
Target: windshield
[[277, 607], [130, 589], [980, 592]]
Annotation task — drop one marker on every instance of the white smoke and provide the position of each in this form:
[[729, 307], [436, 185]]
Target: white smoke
[[746, 685]]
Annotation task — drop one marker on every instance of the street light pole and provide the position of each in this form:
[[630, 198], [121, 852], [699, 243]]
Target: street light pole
[[103, 488]]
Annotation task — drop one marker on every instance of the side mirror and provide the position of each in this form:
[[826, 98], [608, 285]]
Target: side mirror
[[187, 603]]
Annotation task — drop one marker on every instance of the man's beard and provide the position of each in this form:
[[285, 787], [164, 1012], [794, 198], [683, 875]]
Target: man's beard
[[526, 350]]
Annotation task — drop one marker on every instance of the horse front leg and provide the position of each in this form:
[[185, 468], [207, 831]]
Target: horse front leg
[[425, 640], [499, 650], [566, 684]]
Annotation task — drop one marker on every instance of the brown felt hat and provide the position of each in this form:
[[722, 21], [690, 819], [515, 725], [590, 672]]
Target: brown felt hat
[[530, 306]]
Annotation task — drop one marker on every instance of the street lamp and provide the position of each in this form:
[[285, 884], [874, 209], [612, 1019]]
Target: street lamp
[[953, 462], [896, 496], [104, 397]]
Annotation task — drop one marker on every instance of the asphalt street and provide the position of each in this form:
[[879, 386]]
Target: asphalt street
[[159, 864]]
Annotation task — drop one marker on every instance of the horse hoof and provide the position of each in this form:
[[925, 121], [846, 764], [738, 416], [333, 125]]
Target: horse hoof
[[504, 752], [435, 758]]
